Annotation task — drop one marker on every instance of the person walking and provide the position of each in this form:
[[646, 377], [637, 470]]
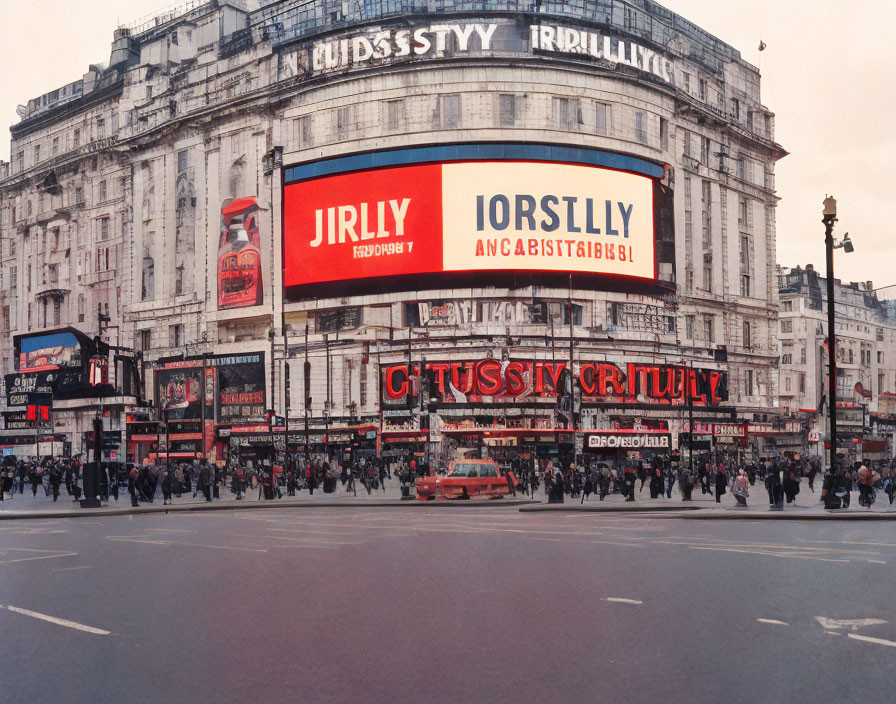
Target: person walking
[[55, 480], [133, 477], [167, 480], [721, 482]]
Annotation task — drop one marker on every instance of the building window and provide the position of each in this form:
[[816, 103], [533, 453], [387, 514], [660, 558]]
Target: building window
[[576, 314], [687, 81], [786, 326], [82, 303], [100, 128], [704, 150], [55, 146], [79, 195], [708, 335], [507, 109], [175, 335], [689, 327], [803, 355], [802, 383], [689, 279], [183, 159], [748, 382], [449, 112], [76, 138], [343, 121], [707, 278], [21, 159], [179, 280], [566, 113], [304, 130], [787, 306], [104, 228], [102, 191], [36, 153], [145, 340], [664, 133], [602, 118], [745, 285], [786, 383], [57, 312], [394, 115], [702, 89], [787, 358], [641, 127], [735, 108], [748, 337]]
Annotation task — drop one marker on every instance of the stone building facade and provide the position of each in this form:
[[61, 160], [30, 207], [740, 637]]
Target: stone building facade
[[866, 361], [123, 187]]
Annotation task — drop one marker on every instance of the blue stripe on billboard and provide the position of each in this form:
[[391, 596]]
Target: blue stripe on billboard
[[472, 152]]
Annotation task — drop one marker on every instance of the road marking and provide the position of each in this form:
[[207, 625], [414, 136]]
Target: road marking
[[830, 624], [65, 569], [878, 562], [773, 621], [619, 600], [59, 621], [867, 639], [771, 554], [41, 557]]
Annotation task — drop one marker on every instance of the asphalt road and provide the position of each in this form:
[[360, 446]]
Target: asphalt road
[[469, 604]]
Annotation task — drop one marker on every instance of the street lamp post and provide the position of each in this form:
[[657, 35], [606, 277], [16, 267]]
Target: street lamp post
[[829, 218]]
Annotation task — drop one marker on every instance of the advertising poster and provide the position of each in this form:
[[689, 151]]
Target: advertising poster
[[49, 352], [240, 281], [234, 388], [469, 216], [241, 388]]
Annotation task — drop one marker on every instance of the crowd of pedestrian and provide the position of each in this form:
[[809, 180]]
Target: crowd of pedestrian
[[144, 482], [709, 474], [712, 474]]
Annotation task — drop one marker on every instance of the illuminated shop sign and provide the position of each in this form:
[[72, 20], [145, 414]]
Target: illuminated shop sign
[[629, 441], [491, 380], [387, 45], [469, 216], [571, 40]]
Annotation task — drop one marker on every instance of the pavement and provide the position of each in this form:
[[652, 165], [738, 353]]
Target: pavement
[[807, 505], [474, 604]]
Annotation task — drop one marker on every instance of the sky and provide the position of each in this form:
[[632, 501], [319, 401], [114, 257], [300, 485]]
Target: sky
[[827, 74]]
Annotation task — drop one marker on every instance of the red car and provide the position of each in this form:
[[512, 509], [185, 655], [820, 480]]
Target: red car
[[465, 479]]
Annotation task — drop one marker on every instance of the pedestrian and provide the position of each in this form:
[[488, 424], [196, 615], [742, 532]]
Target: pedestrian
[[740, 489], [179, 479], [721, 482], [642, 475], [656, 481], [167, 480], [628, 481], [773, 485], [55, 480], [791, 483], [556, 490], [866, 486], [133, 477]]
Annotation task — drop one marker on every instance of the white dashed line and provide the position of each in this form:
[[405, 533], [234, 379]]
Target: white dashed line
[[868, 639], [617, 600], [833, 624], [773, 621], [59, 621]]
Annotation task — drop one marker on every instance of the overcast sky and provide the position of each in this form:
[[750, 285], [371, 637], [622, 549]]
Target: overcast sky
[[827, 74]]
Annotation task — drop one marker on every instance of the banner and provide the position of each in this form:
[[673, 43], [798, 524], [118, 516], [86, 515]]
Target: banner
[[469, 216]]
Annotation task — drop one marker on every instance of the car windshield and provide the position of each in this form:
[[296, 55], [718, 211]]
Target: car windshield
[[466, 470]]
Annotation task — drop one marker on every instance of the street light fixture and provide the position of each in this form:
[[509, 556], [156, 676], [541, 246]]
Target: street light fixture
[[829, 217]]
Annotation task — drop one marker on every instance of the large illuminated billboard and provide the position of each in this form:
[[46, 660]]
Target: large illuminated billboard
[[507, 215]]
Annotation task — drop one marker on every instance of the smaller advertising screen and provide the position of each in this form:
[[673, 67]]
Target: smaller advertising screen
[[49, 352], [234, 388]]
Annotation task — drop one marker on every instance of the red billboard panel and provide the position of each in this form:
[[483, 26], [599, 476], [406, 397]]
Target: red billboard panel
[[468, 216]]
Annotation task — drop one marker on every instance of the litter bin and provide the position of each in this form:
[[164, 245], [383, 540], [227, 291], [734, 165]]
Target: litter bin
[[91, 478]]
